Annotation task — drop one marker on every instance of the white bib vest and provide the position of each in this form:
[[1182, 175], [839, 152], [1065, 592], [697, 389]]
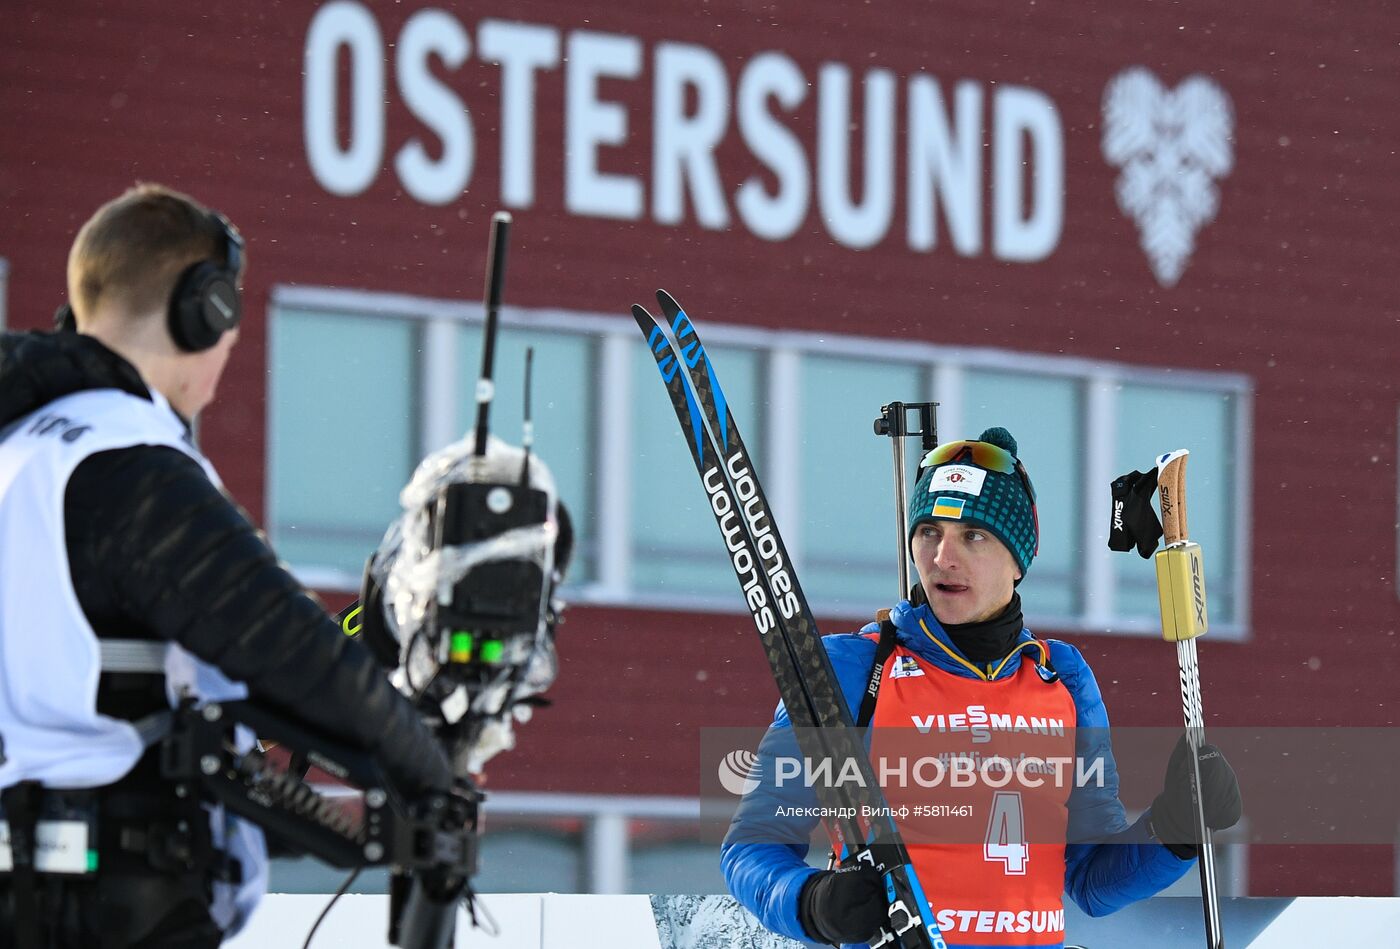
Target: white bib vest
[[50, 657]]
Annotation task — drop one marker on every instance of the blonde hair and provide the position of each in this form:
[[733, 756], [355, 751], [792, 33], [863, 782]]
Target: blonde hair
[[134, 248]]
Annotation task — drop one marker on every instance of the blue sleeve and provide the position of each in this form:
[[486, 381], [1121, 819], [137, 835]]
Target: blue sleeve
[[764, 855], [1104, 877], [1108, 864]]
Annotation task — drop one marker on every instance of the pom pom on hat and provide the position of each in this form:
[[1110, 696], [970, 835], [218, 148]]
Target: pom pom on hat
[[999, 437]]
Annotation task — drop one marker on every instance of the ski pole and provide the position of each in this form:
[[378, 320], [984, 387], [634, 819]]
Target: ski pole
[[1181, 594], [894, 423]]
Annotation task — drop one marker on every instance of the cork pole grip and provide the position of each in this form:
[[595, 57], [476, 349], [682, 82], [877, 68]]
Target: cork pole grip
[[1171, 492]]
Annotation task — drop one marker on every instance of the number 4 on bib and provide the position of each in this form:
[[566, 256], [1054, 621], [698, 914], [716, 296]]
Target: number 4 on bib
[[1006, 834]]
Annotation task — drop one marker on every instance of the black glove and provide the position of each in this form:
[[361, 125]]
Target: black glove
[[846, 905], [1174, 812], [1133, 522]]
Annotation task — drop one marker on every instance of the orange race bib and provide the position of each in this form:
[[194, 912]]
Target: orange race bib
[[978, 775]]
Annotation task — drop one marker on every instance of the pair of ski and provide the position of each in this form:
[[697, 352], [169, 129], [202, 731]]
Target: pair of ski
[[805, 680]]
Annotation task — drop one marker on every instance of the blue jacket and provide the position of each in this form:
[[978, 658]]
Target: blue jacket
[[1108, 863]]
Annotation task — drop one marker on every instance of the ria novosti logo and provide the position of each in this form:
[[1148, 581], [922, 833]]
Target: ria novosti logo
[[738, 772]]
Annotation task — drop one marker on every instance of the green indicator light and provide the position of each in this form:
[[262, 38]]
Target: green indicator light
[[92, 861], [460, 649], [492, 651]]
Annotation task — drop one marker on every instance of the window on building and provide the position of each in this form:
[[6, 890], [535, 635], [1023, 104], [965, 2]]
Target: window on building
[[363, 385], [1043, 413], [846, 482], [565, 425], [342, 434], [1152, 420]]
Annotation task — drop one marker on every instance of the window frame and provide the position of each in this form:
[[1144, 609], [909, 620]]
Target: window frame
[[781, 352]]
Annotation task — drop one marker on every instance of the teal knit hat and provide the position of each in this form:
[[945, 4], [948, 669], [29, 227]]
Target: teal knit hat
[[983, 483]]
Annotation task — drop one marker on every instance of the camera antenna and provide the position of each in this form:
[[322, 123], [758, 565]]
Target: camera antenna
[[495, 283], [527, 439]]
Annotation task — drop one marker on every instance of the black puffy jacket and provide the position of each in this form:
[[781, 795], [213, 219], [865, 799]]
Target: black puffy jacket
[[156, 551]]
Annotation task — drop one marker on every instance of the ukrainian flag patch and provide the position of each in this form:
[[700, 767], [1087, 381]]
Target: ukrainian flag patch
[[949, 507]]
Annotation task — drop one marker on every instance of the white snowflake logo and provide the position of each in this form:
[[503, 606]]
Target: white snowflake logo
[[1172, 146]]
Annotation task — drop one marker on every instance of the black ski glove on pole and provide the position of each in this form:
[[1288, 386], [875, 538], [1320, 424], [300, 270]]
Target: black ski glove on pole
[[1134, 522], [846, 905], [1174, 812]]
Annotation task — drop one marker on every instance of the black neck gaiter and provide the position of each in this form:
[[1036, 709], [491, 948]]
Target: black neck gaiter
[[990, 639]]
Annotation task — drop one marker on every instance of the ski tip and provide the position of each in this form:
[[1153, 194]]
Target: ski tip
[[643, 318], [669, 306]]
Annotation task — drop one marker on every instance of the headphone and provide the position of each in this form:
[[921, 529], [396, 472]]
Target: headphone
[[205, 303]]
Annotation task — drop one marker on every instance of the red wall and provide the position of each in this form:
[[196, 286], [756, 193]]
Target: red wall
[[1290, 285]]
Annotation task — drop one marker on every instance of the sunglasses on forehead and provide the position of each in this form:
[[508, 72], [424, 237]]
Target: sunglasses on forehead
[[983, 455]]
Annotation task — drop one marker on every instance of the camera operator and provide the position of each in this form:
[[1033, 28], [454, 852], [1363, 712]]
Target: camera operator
[[115, 535]]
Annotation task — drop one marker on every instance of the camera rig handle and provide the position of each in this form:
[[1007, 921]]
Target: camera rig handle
[[431, 842]]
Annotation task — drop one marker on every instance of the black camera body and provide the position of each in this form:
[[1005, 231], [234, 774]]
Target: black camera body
[[497, 597]]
